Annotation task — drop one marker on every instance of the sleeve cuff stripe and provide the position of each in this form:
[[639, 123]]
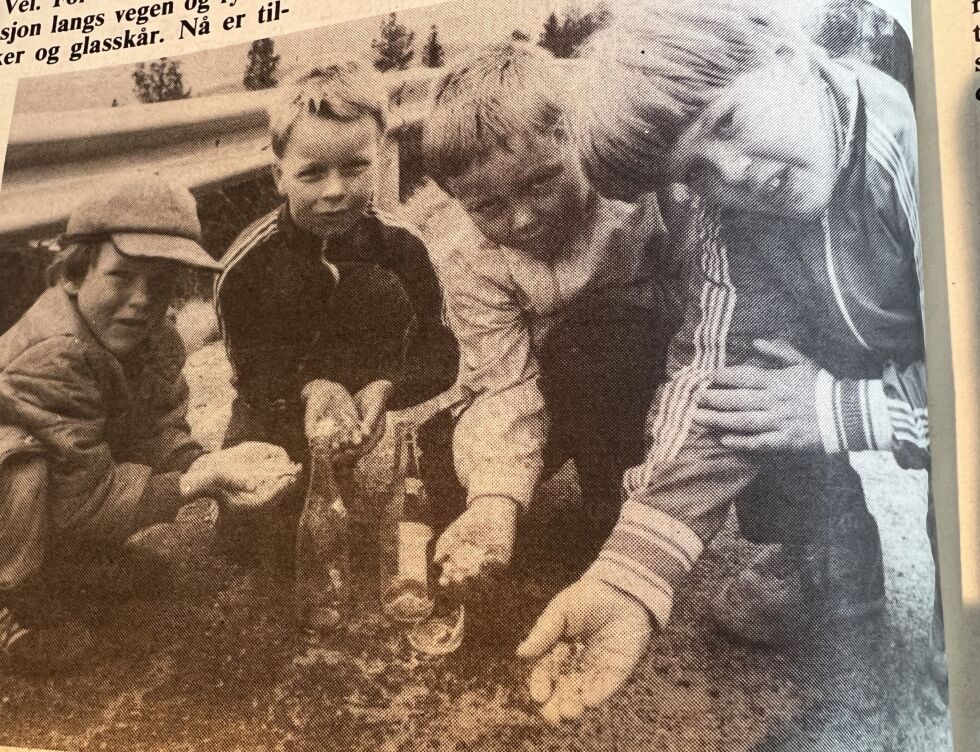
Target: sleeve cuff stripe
[[852, 418], [648, 555], [839, 418], [621, 573], [658, 539], [665, 526], [865, 408]]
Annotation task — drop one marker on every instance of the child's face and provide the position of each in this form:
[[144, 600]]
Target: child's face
[[525, 197], [123, 299], [765, 144], [328, 172]]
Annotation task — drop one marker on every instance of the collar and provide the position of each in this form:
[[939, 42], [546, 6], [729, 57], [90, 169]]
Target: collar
[[57, 316]]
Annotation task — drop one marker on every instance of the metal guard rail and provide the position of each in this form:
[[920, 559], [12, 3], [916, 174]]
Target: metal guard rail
[[53, 158]]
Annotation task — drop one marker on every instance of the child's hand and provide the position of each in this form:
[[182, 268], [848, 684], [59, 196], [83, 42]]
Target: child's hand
[[250, 475], [481, 538], [585, 646], [331, 411], [372, 404], [756, 409]]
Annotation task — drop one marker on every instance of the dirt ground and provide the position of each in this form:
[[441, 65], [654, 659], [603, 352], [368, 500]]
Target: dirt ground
[[213, 664]]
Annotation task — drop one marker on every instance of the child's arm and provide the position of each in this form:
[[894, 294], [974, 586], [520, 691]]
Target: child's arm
[[499, 440], [877, 414], [51, 392], [168, 444], [256, 356]]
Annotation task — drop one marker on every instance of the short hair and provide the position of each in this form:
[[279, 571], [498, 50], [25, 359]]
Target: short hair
[[345, 91], [656, 69], [500, 93], [73, 260]]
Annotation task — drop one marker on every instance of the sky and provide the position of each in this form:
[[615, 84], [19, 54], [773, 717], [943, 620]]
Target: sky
[[460, 25]]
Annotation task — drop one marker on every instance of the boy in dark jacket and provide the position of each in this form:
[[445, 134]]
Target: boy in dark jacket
[[94, 441], [329, 309]]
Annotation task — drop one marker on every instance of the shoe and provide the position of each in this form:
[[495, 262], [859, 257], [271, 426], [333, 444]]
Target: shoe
[[792, 593], [41, 650]]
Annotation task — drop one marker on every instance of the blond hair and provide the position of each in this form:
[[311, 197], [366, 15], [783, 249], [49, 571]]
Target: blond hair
[[656, 70], [344, 91], [502, 93]]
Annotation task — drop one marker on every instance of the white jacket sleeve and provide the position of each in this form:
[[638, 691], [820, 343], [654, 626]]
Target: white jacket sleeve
[[499, 440]]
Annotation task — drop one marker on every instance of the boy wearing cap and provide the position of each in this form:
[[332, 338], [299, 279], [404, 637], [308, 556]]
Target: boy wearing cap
[[94, 441], [329, 309]]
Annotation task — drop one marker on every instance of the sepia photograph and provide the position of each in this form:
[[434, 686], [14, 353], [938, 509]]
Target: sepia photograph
[[517, 375]]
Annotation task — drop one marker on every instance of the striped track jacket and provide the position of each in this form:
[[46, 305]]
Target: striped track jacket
[[853, 279]]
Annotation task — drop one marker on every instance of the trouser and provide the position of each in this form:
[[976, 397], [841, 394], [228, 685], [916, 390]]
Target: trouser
[[44, 573], [937, 606], [23, 517], [599, 369]]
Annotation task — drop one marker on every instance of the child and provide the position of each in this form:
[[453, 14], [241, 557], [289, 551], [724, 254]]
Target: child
[[329, 309], [802, 339], [95, 444], [552, 292]]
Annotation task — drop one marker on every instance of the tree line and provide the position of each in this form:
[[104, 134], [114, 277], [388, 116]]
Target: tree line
[[394, 48]]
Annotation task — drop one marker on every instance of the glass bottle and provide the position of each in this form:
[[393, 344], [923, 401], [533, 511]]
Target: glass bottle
[[406, 598], [322, 587]]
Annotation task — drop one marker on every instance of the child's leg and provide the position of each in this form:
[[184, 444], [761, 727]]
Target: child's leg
[[599, 371], [34, 636], [937, 634], [23, 519], [827, 569]]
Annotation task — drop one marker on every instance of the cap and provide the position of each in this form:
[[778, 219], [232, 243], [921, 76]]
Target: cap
[[146, 216]]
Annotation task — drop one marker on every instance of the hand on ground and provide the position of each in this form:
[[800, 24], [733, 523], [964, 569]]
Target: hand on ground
[[585, 645]]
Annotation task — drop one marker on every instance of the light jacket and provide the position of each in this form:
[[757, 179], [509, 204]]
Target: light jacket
[[115, 433], [502, 304]]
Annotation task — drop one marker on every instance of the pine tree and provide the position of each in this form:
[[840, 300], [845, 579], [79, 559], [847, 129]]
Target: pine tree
[[840, 29], [160, 81], [551, 35], [262, 65], [434, 55], [565, 37], [394, 48]]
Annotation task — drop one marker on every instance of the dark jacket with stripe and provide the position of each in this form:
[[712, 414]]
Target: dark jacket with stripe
[[292, 308]]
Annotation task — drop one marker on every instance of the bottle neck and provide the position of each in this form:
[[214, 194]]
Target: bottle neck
[[416, 503], [322, 479]]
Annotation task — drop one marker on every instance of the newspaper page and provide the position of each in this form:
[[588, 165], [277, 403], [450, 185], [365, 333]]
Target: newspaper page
[[468, 375], [949, 109]]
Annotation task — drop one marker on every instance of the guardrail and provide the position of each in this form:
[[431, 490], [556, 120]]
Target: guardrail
[[53, 158]]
